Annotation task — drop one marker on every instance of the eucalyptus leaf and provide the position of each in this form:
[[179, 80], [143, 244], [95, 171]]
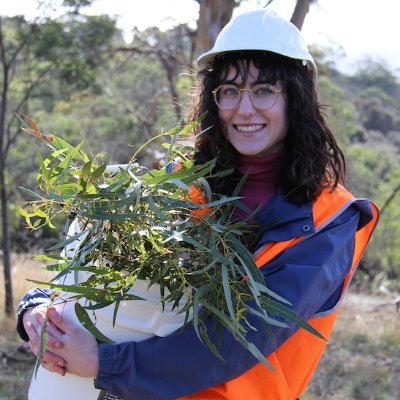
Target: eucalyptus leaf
[[64, 243], [31, 193], [43, 344], [85, 320]]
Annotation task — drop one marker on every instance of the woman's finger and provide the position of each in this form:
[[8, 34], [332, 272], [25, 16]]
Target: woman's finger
[[50, 361], [32, 332], [53, 367], [60, 322], [54, 336], [33, 329]]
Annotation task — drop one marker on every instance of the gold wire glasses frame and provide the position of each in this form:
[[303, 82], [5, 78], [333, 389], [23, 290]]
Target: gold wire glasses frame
[[263, 96]]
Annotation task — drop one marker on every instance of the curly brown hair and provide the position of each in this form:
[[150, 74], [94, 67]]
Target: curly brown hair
[[311, 160]]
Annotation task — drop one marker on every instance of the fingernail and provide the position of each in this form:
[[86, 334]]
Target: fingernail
[[61, 364], [58, 345]]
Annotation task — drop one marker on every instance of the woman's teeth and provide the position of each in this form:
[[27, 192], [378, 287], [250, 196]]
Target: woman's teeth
[[249, 128]]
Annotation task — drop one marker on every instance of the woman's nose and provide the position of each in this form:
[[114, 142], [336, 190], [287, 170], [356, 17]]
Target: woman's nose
[[246, 106]]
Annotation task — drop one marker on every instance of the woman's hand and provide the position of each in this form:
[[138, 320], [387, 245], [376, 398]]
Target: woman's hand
[[79, 348], [33, 322]]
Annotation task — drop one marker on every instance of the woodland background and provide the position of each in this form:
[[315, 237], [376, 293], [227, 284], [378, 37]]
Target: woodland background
[[77, 78]]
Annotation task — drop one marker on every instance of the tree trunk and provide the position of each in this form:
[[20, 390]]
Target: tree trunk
[[170, 69], [213, 16], [9, 300], [300, 11]]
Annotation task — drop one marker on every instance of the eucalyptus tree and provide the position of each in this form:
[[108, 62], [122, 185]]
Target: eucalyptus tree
[[43, 60]]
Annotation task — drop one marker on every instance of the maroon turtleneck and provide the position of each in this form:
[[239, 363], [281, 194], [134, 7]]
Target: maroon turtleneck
[[260, 184]]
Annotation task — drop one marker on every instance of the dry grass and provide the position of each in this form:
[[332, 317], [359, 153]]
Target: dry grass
[[16, 361], [23, 267], [16, 364], [362, 361]]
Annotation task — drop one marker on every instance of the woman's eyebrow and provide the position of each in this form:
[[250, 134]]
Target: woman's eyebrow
[[266, 81], [232, 81], [235, 82]]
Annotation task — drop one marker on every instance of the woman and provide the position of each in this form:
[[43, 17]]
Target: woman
[[263, 118]]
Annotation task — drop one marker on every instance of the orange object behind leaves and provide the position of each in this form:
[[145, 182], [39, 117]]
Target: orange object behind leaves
[[196, 196]]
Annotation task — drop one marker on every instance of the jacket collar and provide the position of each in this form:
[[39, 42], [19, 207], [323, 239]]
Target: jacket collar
[[283, 220]]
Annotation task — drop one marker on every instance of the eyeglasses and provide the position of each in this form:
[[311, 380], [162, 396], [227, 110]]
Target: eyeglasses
[[263, 97]]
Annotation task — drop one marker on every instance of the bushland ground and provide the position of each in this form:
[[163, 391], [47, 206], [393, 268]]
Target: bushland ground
[[362, 361]]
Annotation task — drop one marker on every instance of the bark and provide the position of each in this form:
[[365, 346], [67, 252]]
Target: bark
[[213, 16], [300, 11], [170, 62], [390, 199], [9, 299], [170, 69]]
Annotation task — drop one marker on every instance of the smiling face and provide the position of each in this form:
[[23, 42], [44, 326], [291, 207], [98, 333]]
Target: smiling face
[[254, 131]]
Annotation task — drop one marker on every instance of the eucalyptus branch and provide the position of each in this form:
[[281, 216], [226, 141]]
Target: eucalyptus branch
[[167, 228]]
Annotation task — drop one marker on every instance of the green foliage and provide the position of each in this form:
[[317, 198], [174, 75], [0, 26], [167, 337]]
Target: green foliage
[[325, 58], [339, 109], [73, 47], [375, 73], [167, 228], [376, 93], [377, 109], [373, 176], [368, 170], [44, 62], [385, 250], [364, 112]]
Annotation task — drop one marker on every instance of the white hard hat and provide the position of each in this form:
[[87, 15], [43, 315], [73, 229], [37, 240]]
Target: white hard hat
[[262, 30]]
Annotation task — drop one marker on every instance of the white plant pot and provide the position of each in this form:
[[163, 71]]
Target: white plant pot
[[136, 320]]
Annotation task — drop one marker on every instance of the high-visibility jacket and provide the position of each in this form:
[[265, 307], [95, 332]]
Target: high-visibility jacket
[[307, 255], [295, 360]]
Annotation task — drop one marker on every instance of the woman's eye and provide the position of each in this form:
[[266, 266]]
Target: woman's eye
[[230, 91], [262, 91]]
